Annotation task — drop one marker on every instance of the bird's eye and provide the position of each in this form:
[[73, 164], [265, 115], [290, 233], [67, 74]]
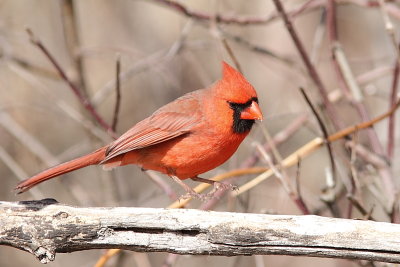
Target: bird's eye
[[243, 105]]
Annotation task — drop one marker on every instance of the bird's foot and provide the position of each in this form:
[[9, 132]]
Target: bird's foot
[[194, 194], [190, 193], [224, 186], [218, 186]]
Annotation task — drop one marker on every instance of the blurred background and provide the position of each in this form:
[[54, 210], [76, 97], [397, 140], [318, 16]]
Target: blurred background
[[167, 49]]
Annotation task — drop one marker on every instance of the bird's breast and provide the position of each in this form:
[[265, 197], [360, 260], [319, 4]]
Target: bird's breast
[[191, 154]]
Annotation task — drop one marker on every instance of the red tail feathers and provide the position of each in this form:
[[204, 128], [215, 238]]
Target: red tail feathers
[[93, 158]]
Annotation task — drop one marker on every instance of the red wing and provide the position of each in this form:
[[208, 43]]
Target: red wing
[[170, 121]]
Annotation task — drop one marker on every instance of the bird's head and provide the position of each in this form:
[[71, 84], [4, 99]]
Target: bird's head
[[241, 97]]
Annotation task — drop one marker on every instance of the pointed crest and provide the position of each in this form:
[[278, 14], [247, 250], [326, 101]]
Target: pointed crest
[[233, 86], [228, 71]]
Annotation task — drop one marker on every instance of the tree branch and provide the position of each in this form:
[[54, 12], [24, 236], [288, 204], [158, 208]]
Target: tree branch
[[45, 228], [315, 77], [77, 91]]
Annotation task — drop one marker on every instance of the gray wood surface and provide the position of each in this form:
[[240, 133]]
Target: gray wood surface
[[46, 227]]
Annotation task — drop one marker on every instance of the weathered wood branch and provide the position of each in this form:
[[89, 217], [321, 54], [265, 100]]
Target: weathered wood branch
[[45, 228]]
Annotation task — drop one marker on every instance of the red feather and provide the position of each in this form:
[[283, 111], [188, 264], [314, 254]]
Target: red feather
[[187, 137]]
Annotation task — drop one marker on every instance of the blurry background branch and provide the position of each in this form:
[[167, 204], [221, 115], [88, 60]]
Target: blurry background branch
[[171, 47], [45, 228]]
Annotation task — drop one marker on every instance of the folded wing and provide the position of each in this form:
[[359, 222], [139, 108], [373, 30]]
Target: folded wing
[[170, 121]]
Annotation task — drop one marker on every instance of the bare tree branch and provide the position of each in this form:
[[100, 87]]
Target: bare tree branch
[[391, 8], [84, 101], [45, 228], [393, 98], [324, 131], [315, 77], [118, 94]]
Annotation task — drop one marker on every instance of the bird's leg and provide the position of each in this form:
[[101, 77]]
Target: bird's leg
[[217, 185], [190, 193]]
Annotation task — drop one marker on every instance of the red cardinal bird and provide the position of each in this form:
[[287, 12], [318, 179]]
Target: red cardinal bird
[[189, 136]]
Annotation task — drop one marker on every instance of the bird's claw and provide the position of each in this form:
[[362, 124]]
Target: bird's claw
[[205, 197], [224, 186], [221, 186], [201, 197]]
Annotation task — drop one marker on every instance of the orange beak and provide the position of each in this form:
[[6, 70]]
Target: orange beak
[[252, 113]]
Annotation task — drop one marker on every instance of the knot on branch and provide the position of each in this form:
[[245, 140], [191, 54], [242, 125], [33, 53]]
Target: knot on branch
[[44, 255]]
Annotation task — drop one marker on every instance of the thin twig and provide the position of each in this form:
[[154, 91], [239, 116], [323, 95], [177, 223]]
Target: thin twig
[[324, 132], [258, 49], [232, 55], [352, 91], [284, 179], [345, 72], [65, 107], [310, 67], [280, 171], [300, 201], [346, 78], [318, 37], [328, 195], [374, 74], [367, 155], [360, 208], [354, 181], [117, 95], [364, 125], [297, 179], [240, 20], [313, 145], [391, 8], [72, 40], [158, 58], [393, 99], [106, 256], [388, 24], [84, 101], [272, 147], [278, 138], [335, 47]]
